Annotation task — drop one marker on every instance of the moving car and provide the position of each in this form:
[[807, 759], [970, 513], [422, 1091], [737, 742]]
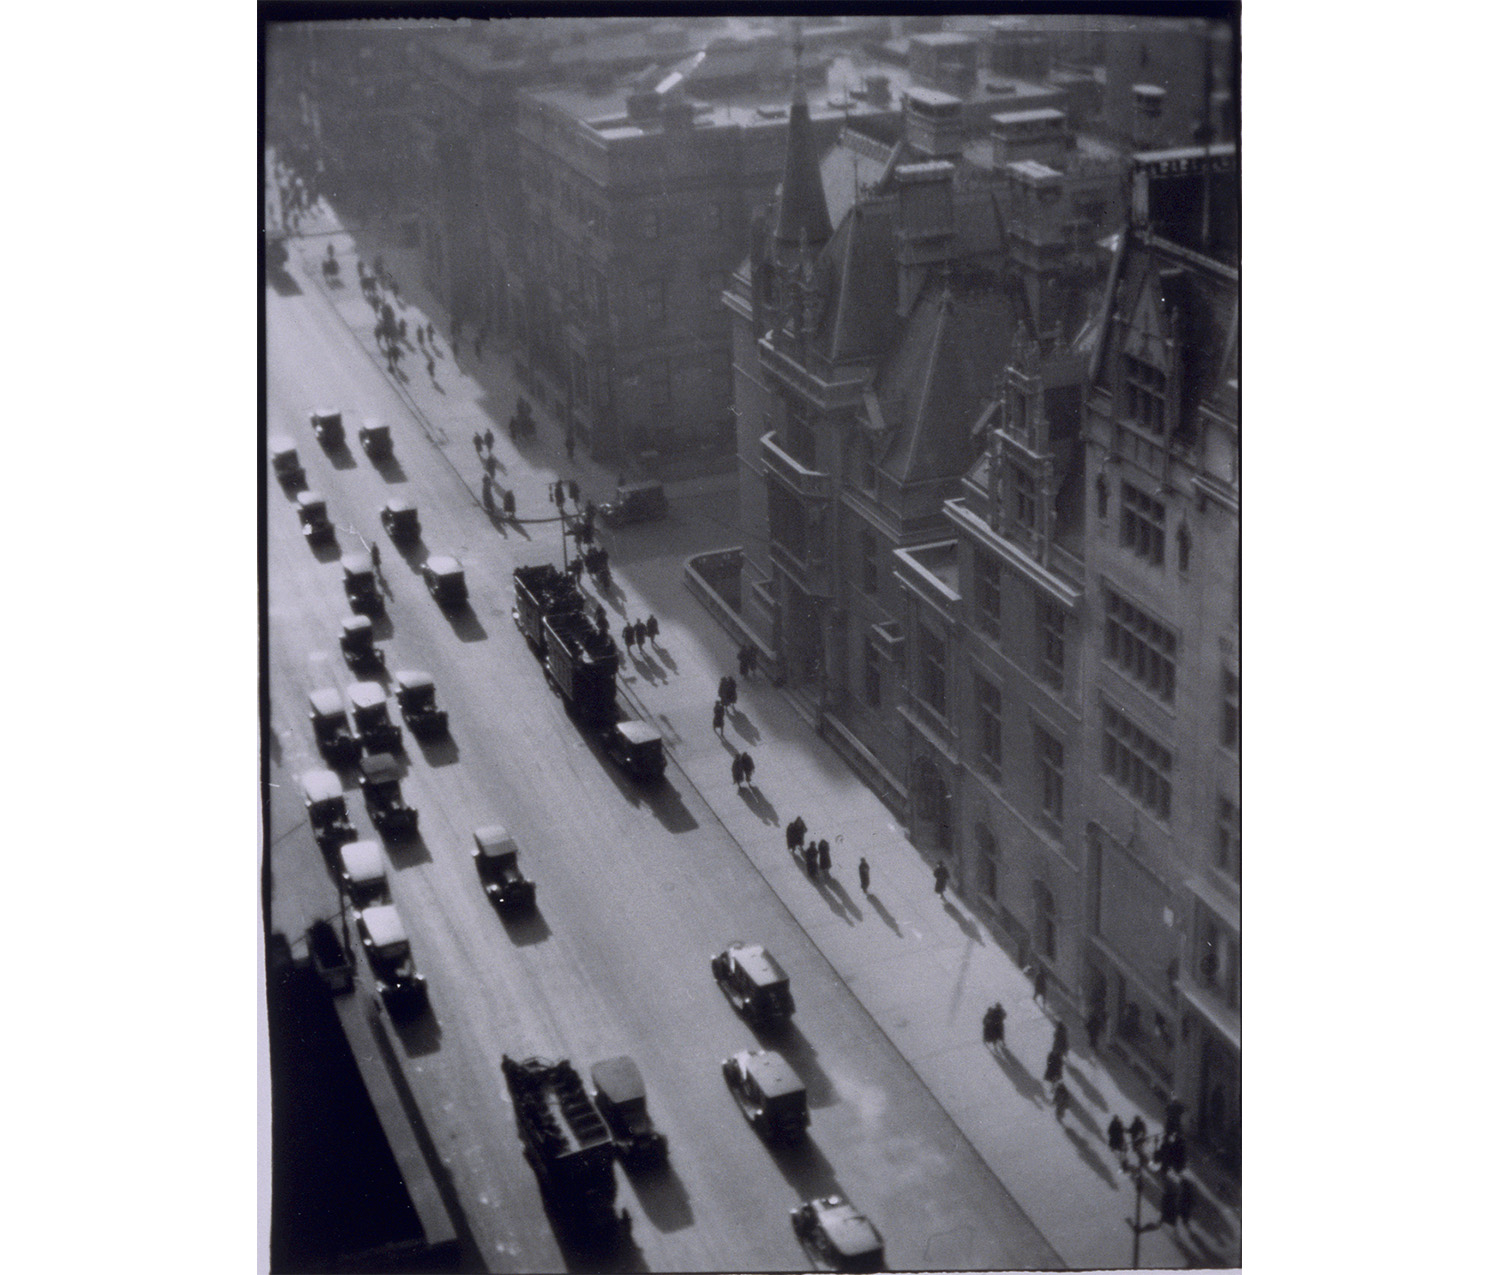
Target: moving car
[[635, 502], [755, 984], [357, 641], [445, 581], [362, 874], [497, 859], [399, 518], [372, 718], [380, 777], [328, 425], [359, 583], [620, 1095], [312, 513], [323, 795], [375, 438], [383, 936], [771, 1097], [837, 1235], [417, 695], [285, 463], [330, 724]]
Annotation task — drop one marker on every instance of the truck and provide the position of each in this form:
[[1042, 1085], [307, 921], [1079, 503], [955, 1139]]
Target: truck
[[582, 661], [567, 1144], [542, 591]]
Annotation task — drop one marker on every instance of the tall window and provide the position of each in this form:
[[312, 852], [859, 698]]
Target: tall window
[[1051, 625], [869, 563], [1141, 765], [1046, 920], [1140, 647], [1142, 524], [872, 673], [987, 593], [1230, 725], [1228, 857], [931, 671], [1024, 487], [1049, 762], [1145, 395], [989, 862], [987, 696]]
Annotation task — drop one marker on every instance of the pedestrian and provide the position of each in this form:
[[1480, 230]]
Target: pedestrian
[[810, 858], [724, 690], [753, 653], [719, 716], [1137, 1134], [825, 858], [478, 444], [489, 440], [1116, 1135], [1094, 1026], [401, 331], [432, 336], [375, 557], [1172, 1121], [747, 764], [740, 660], [1053, 1074], [731, 691], [422, 338], [1169, 1199], [510, 503], [1060, 1038], [737, 770], [628, 634], [1174, 1153], [1039, 982], [1185, 1201], [864, 875], [487, 494], [995, 1025], [431, 370], [640, 636], [652, 628], [600, 618], [940, 879], [1060, 1098]]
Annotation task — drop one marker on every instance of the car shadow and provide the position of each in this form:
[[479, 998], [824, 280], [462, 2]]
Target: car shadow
[[791, 1044], [664, 1199], [419, 1034], [438, 750], [341, 457], [413, 553], [465, 624], [284, 284], [408, 852], [525, 928], [665, 802], [390, 469], [807, 1169], [971, 931], [326, 551], [884, 912], [381, 625]]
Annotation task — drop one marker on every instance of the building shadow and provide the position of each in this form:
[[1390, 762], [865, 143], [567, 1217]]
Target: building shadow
[[884, 913]]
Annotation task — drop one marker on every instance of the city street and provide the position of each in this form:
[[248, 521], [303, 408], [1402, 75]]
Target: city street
[[635, 892]]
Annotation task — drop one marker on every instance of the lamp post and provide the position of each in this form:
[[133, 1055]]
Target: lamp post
[[1135, 1160]]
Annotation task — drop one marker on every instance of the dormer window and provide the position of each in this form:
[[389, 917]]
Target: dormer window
[[1145, 394]]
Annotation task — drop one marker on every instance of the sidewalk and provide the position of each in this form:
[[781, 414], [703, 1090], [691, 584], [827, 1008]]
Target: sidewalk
[[924, 967]]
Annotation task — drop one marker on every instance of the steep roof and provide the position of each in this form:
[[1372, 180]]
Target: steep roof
[[802, 209]]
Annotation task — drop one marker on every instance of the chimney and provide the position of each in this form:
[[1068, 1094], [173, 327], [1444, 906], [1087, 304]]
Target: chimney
[[925, 230], [934, 123]]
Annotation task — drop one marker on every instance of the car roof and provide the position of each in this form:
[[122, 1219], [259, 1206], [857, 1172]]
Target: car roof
[[306, 498], [383, 925], [759, 965], [441, 564], [356, 562], [374, 422], [354, 622], [321, 785], [325, 411], [281, 444], [366, 694], [618, 1079], [771, 1071], [409, 679], [362, 861], [325, 702], [848, 1230], [494, 839], [637, 732], [380, 768], [399, 506]]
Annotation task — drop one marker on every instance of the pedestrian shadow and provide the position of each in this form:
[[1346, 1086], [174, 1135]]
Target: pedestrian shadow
[[1090, 1157], [837, 905], [1027, 1085], [1081, 1083], [842, 901], [665, 656], [742, 725], [1082, 1115], [647, 668], [884, 913], [971, 931], [760, 805]]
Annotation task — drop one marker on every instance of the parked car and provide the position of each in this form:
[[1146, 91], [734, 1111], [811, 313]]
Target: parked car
[[375, 438], [359, 583], [620, 1095], [755, 983], [445, 581], [417, 696], [837, 1235], [372, 718], [497, 859], [330, 725], [312, 513], [399, 518], [771, 1097], [362, 874], [383, 936], [323, 795], [380, 777], [357, 641], [329, 958], [285, 463], [635, 502], [328, 425]]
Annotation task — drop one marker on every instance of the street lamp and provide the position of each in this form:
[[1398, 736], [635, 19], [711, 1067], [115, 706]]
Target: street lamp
[[1135, 1160]]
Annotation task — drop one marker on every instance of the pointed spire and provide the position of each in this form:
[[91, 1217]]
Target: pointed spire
[[803, 207]]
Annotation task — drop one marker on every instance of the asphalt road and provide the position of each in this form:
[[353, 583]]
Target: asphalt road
[[635, 892]]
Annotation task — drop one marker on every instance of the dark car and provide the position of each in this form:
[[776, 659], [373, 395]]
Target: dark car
[[285, 464], [330, 724], [399, 518], [837, 1235], [312, 513], [375, 438], [357, 641], [371, 712], [445, 581], [417, 696], [359, 583], [497, 859], [380, 777], [328, 425], [771, 1097], [383, 937], [635, 502], [755, 983], [362, 874], [323, 795]]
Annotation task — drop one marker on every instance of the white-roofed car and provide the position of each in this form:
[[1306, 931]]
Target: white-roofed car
[[837, 1235], [362, 874], [755, 983], [383, 937], [771, 1097]]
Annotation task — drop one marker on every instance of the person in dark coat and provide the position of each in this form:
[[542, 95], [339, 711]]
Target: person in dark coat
[[1186, 1198], [1060, 1039], [719, 716], [1137, 1134], [640, 636], [1060, 1098], [792, 839], [994, 1025], [489, 439], [478, 443], [652, 628], [1053, 1074], [737, 769], [1172, 1121], [864, 875], [825, 858], [940, 879], [810, 859], [1039, 982], [747, 765], [1116, 1135], [628, 634], [1094, 1026], [1168, 1202], [599, 616], [731, 691], [724, 690]]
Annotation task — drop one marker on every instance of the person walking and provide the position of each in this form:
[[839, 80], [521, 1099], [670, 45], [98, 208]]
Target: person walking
[[478, 444], [431, 370], [489, 440], [422, 338], [719, 717], [1116, 1136], [1186, 1198], [864, 875], [994, 1025], [1039, 982], [737, 769], [731, 691], [1060, 1039], [1169, 1202], [747, 765], [810, 860], [1053, 1074], [825, 858], [792, 839], [1137, 1135], [724, 690], [652, 628], [940, 879], [640, 636], [1060, 1097]]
